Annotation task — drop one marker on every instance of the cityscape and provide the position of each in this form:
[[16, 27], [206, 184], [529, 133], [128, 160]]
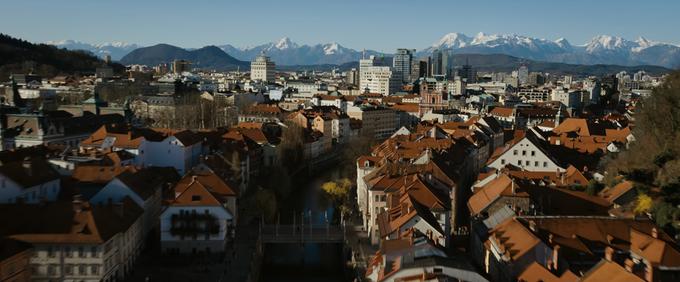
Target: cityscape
[[176, 155]]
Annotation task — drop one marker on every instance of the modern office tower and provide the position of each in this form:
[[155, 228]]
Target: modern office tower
[[352, 76], [262, 68], [467, 73], [419, 68], [439, 63], [379, 79], [523, 74], [536, 79], [457, 86], [402, 63], [364, 63], [180, 66]]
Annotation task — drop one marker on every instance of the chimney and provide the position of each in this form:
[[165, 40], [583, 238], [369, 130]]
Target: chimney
[[77, 204], [608, 253], [26, 164], [655, 233], [532, 225], [649, 272], [118, 209], [512, 186], [629, 265], [555, 256]]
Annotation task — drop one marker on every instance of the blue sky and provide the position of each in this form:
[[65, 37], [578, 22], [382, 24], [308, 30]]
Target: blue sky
[[379, 24]]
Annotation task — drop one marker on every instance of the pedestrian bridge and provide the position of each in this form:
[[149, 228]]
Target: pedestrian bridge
[[322, 233]]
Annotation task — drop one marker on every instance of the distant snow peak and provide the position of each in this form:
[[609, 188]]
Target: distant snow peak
[[285, 43], [452, 40], [608, 42], [331, 48]]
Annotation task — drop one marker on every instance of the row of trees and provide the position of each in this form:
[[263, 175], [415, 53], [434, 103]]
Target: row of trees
[[653, 160]]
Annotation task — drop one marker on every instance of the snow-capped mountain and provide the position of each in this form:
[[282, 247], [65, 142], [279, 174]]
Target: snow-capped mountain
[[116, 49], [287, 52], [601, 49]]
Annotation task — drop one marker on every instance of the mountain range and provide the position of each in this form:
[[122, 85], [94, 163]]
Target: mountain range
[[602, 49], [116, 49], [287, 52]]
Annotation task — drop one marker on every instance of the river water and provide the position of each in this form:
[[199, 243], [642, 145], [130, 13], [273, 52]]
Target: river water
[[309, 261]]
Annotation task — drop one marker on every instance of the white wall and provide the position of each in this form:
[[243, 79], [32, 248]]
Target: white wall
[[524, 149], [10, 191]]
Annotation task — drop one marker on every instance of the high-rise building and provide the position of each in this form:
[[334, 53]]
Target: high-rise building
[[262, 68], [364, 64], [352, 76], [536, 79], [402, 63], [467, 73], [180, 66], [523, 74], [419, 68], [439, 63], [457, 86], [379, 79]]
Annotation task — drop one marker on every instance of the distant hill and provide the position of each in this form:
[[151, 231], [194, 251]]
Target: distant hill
[[20, 56], [506, 63], [209, 57]]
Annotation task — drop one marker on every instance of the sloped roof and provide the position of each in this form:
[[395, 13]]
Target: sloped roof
[[33, 171], [606, 271], [612, 193], [146, 181], [538, 273], [489, 193], [513, 238], [59, 222]]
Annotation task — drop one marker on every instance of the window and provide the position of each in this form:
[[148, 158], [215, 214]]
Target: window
[[67, 252], [527, 163], [94, 269], [93, 252], [50, 252], [81, 252], [519, 162], [533, 153], [51, 269], [536, 164], [502, 161], [68, 269], [524, 153], [545, 164], [514, 152], [82, 270]]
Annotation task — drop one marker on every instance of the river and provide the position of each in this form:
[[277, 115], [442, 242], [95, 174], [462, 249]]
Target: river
[[309, 261]]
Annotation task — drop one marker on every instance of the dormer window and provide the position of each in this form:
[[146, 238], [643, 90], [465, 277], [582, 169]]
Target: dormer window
[[195, 198]]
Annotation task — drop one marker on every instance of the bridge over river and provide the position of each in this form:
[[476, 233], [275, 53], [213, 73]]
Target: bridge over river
[[317, 233]]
